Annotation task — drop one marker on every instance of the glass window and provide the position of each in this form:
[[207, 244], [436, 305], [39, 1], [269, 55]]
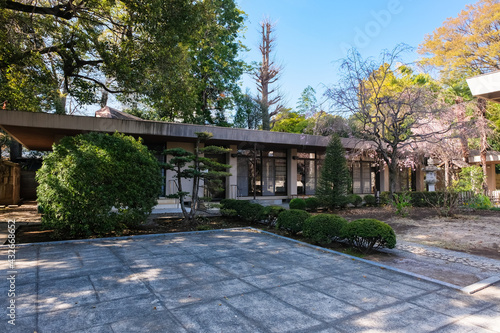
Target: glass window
[[280, 176], [362, 177], [265, 174], [301, 176], [306, 155], [243, 177], [310, 171]]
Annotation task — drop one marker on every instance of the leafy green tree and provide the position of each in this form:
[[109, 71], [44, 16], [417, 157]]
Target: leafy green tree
[[335, 180], [95, 183], [307, 102], [290, 122], [201, 169], [248, 113], [175, 59]]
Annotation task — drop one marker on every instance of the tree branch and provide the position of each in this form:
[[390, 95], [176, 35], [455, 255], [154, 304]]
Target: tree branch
[[66, 11]]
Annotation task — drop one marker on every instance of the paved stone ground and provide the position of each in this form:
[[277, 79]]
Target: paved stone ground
[[225, 281], [457, 268]]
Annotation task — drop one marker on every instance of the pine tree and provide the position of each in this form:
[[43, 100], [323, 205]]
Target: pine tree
[[335, 180], [198, 168]]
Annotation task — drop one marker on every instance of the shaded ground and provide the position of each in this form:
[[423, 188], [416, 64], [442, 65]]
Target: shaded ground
[[471, 232], [226, 281]]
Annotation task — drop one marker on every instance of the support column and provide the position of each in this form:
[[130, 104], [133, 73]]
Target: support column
[[491, 177], [232, 181]]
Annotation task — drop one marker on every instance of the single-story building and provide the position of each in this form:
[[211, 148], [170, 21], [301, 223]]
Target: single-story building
[[271, 166]]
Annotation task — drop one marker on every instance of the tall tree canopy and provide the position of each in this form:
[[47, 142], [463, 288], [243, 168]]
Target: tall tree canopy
[[393, 107], [177, 59], [468, 43]]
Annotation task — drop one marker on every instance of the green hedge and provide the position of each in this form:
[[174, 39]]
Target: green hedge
[[292, 220], [298, 203], [370, 200], [355, 199], [270, 214], [364, 234], [323, 228], [312, 203]]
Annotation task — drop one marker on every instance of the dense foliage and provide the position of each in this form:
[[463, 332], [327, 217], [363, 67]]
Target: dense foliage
[[370, 200], [292, 220], [364, 234], [297, 203], [335, 180], [324, 228], [96, 183], [355, 200], [312, 203], [198, 168], [170, 59]]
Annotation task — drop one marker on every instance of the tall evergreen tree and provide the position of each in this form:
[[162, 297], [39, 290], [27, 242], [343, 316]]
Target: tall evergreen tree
[[335, 179]]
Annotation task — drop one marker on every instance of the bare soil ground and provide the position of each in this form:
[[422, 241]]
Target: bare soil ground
[[475, 232]]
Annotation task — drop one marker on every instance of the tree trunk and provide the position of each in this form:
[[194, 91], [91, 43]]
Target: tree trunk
[[446, 173], [460, 112], [484, 143]]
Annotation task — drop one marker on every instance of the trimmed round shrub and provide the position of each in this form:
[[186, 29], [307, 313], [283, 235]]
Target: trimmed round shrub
[[312, 203], [356, 200], [270, 214], [292, 220], [251, 212], [370, 200], [298, 203], [233, 204], [323, 228], [364, 234], [95, 183]]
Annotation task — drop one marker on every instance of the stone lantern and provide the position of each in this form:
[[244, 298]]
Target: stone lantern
[[430, 175]]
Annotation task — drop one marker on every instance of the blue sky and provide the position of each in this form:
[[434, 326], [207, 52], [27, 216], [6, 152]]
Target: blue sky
[[312, 34]]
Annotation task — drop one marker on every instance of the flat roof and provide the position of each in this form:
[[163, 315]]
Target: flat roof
[[39, 131], [486, 86]]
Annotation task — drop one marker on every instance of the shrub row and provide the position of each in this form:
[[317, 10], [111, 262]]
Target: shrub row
[[251, 212], [364, 234], [313, 203]]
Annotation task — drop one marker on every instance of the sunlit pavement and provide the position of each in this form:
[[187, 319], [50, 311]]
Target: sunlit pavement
[[223, 281]]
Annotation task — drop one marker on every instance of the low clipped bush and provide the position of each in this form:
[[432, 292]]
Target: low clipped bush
[[312, 203], [370, 200], [298, 203], [251, 212], [270, 214], [292, 220], [245, 209], [323, 228], [233, 204], [355, 200], [365, 234]]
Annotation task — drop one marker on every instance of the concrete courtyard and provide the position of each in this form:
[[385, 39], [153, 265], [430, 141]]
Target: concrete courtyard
[[224, 281]]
